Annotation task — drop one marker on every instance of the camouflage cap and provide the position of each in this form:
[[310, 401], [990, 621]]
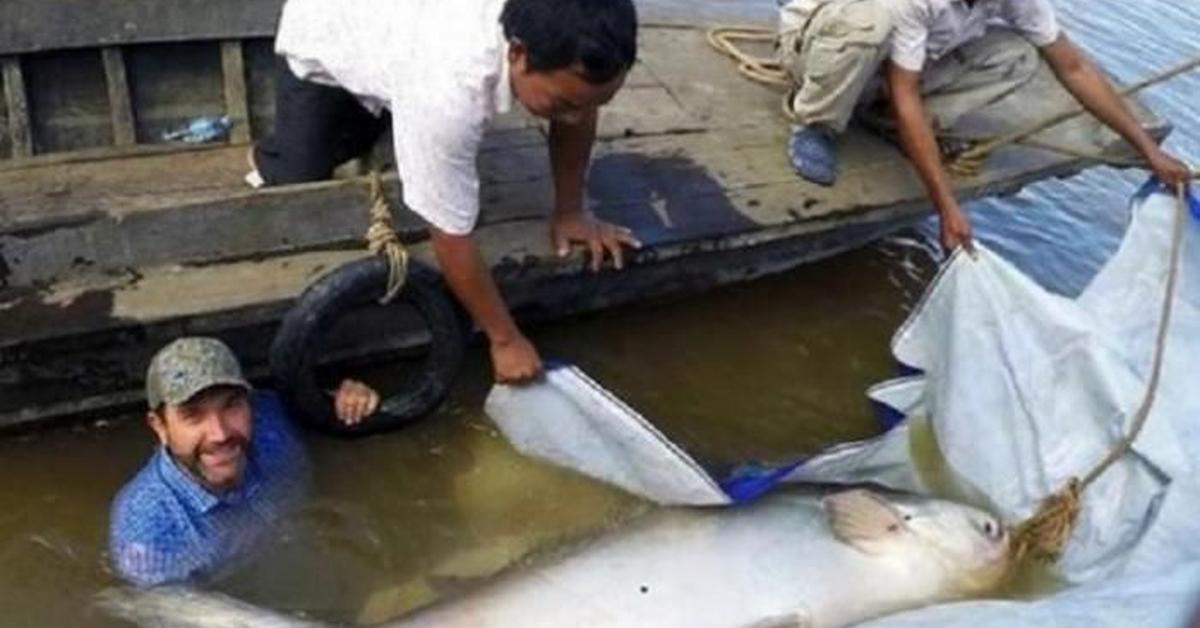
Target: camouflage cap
[[189, 365]]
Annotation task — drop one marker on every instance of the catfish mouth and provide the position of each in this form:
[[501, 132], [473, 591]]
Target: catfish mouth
[[997, 561]]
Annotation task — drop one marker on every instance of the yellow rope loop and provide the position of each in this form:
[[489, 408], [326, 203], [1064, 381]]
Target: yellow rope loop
[[1045, 534], [382, 240], [966, 166], [765, 70]]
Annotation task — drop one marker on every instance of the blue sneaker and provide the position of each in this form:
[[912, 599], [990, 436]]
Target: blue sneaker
[[812, 154]]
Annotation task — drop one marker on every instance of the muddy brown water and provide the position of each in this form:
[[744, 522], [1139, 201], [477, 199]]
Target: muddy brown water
[[764, 371]]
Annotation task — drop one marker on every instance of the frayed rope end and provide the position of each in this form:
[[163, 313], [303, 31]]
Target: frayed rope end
[[1044, 535]]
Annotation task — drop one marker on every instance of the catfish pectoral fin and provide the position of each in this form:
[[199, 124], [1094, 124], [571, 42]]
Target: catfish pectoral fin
[[795, 619]]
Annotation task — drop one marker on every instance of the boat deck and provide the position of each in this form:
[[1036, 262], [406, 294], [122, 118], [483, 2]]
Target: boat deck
[[104, 253]]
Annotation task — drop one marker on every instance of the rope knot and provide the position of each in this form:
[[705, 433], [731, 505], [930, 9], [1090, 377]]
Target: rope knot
[[1045, 534], [383, 240]]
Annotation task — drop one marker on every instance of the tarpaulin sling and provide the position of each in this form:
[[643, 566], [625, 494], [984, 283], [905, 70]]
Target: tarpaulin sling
[[1022, 390]]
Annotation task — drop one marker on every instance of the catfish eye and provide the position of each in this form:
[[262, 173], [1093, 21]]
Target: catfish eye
[[991, 529], [908, 517]]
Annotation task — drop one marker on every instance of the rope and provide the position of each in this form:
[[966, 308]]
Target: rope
[[765, 70], [970, 162], [1116, 162], [1045, 534], [382, 240]]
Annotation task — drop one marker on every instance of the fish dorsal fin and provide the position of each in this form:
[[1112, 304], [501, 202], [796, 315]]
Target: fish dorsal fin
[[862, 519]]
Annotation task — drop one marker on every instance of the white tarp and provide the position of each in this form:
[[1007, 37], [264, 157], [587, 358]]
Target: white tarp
[[1026, 389], [572, 421], [1023, 390]]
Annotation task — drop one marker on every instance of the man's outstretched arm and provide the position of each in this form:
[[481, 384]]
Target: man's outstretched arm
[[514, 358], [920, 144], [1093, 90]]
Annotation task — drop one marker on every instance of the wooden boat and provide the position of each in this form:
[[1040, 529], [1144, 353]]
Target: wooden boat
[[113, 241]]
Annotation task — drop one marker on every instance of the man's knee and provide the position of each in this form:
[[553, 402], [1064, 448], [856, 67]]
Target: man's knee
[[289, 164]]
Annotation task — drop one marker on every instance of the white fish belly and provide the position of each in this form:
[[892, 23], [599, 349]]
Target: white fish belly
[[698, 569]]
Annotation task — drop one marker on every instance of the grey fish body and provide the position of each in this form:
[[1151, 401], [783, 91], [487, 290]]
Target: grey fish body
[[792, 559]]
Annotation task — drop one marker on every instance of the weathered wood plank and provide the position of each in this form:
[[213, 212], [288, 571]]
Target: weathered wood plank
[[119, 102], [19, 128], [237, 103], [37, 25], [705, 83]]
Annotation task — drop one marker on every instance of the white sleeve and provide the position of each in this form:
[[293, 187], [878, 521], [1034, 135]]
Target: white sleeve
[[1033, 19], [436, 134], [910, 35]]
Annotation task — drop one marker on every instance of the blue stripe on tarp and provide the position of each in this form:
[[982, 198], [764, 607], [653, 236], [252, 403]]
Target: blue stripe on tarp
[[905, 370], [749, 482], [886, 416], [554, 364], [1153, 184]]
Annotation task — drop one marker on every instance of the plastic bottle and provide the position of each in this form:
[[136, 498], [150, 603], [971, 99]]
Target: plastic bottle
[[201, 130]]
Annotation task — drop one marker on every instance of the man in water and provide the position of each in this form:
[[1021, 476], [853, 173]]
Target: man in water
[[939, 59], [229, 465], [439, 71]]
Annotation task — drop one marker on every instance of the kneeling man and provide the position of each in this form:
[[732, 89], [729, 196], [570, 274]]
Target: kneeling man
[[939, 59]]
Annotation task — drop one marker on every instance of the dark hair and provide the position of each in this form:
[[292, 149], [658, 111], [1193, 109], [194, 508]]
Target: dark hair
[[600, 35]]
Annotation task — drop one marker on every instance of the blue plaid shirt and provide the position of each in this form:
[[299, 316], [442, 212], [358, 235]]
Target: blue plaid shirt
[[166, 527]]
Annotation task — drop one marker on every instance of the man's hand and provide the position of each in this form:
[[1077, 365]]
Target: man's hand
[[955, 231], [567, 227], [515, 361], [1169, 170], [354, 401]]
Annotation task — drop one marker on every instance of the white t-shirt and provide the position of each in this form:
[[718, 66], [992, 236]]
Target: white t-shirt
[[927, 29], [440, 66]]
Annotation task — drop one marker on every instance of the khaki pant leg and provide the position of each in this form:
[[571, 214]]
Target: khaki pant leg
[[833, 58], [977, 74]]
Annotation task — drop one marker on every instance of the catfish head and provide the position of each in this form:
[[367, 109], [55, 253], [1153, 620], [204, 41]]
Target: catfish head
[[967, 549]]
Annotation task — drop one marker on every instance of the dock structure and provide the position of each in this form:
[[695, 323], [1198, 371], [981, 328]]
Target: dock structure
[[113, 242]]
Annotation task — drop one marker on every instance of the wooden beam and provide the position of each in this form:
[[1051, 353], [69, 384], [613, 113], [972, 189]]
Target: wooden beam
[[119, 102], [38, 25], [19, 128], [237, 107]]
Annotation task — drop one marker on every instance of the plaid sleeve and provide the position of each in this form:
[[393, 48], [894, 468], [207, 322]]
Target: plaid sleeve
[[146, 546], [144, 565]]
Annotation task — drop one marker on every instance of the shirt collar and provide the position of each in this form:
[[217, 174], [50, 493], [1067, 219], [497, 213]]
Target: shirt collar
[[504, 93], [189, 490]]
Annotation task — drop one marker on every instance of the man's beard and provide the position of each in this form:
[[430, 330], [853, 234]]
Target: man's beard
[[194, 464]]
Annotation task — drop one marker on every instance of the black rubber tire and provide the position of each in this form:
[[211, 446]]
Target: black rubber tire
[[300, 340]]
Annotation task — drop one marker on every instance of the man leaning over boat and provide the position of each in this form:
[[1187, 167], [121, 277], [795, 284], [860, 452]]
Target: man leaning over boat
[[441, 70], [932, 61]]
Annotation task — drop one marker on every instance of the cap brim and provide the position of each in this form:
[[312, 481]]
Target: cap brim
[[191, 392]]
